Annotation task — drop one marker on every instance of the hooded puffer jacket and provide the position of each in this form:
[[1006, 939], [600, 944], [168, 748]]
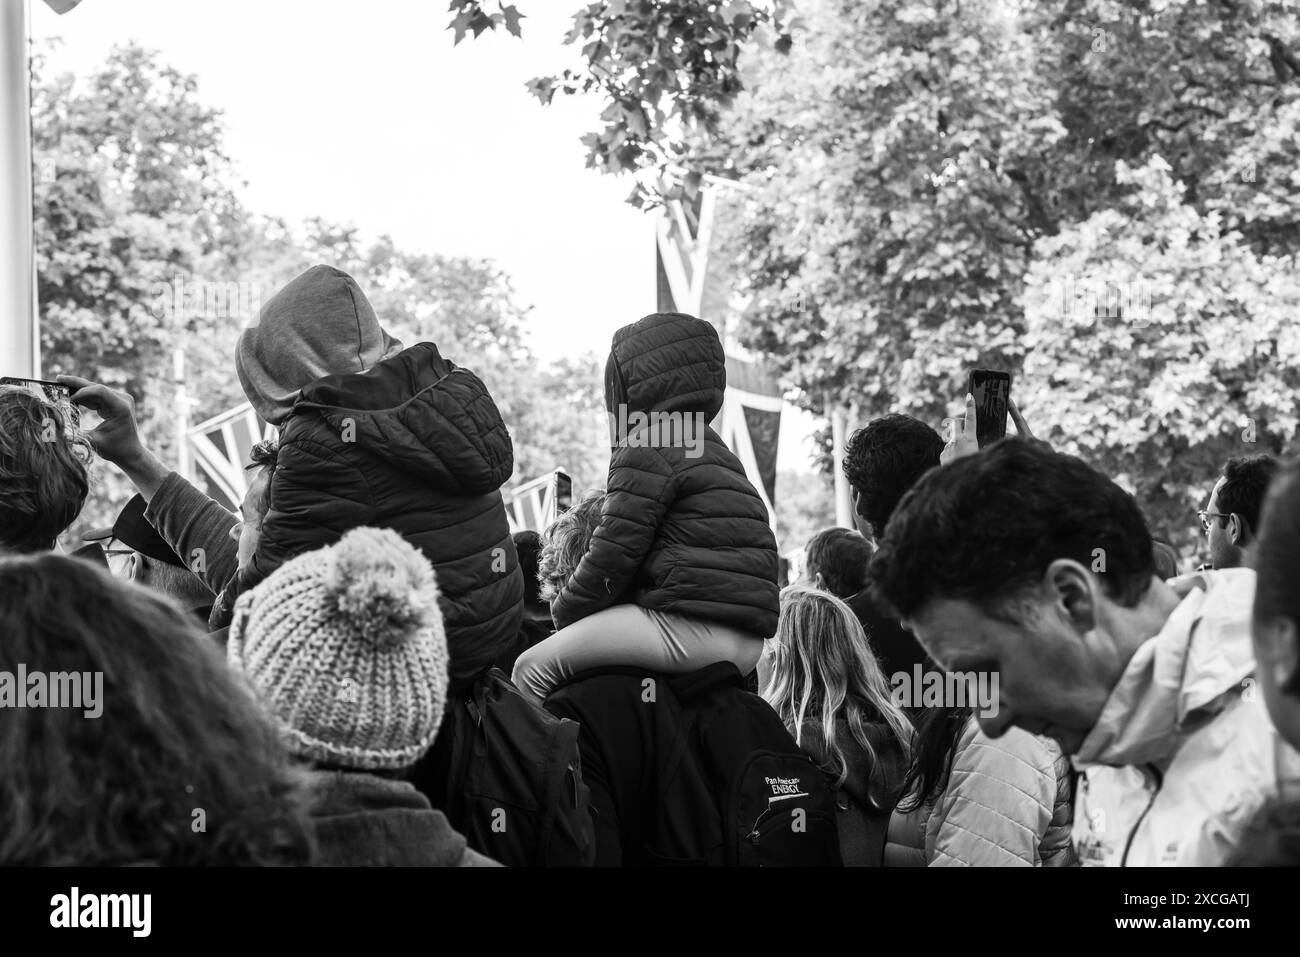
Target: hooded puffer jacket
[[683, 530], [417, 445], [1008, 802]]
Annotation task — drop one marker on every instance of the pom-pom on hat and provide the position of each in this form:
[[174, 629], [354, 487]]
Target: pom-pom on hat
[[346, 646]]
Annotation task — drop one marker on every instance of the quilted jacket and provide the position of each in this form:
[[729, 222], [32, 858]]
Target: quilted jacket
[[1008, 803], [683, 530], [417, 445]]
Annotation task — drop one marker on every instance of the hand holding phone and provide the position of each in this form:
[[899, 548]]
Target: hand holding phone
[[992, 393], [55, 392]]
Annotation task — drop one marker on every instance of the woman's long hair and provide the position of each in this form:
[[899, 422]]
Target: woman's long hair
[[826, 682], [179, 767], [937, 732]]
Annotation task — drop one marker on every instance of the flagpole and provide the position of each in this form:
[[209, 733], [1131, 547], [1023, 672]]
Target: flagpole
[[19, 341]]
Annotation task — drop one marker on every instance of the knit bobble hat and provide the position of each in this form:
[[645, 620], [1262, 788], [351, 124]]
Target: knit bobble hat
[[346, 646]]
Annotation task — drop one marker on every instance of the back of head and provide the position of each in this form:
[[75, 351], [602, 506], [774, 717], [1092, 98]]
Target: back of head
[[144, 734], [884, 460], [825, 681], [319, 324], [1245, 484], [347, 647], [564, 543], [986, 527], [840, 557], [666, 362], [44, 471]]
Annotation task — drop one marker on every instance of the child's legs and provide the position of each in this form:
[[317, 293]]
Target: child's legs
[[692, 643], [631, 636]]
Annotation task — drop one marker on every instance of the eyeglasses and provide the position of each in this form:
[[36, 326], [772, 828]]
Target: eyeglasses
[[1205, 517]]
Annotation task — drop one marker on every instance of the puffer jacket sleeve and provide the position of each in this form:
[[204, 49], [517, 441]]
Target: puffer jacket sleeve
[[998, 803], [316, 496], [640, 490], [1057, 846]]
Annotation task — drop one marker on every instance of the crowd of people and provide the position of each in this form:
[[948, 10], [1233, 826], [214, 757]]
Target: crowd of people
[[364, 666]]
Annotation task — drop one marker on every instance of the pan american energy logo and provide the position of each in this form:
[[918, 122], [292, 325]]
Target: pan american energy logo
[[783, 789]]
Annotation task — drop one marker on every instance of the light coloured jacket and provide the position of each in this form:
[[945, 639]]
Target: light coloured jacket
[[1007, 803], [1183, 753]]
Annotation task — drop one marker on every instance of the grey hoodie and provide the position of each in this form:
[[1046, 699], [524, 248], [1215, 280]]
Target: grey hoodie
[[319, 324]]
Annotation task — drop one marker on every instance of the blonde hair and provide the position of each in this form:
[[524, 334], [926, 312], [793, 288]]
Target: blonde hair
[[824, 669]]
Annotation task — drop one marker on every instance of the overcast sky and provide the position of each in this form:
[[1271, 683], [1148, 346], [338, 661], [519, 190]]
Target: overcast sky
[[365, 113]]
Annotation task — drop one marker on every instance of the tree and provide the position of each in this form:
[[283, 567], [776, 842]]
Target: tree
[[1190, 355], [886, 230], [665, 70]]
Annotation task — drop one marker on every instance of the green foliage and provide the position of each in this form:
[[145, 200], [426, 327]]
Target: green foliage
[[926, 180]]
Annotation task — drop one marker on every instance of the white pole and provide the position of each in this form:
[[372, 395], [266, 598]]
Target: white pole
[[19, 342], [182, 416], [843, 501]]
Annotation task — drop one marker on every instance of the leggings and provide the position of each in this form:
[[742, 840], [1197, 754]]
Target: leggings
[[632, 636]]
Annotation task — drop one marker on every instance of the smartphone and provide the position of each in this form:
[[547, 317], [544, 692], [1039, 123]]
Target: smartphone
[[54, 392], [991, 390], [561, 491]]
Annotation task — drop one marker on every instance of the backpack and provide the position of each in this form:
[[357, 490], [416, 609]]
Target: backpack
[[515, 786], [775, 806]]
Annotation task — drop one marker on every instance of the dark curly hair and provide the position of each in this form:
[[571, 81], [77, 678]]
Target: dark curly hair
[[885, 459], [1245, 484], [180, 767], [44, 470], [985, 527]]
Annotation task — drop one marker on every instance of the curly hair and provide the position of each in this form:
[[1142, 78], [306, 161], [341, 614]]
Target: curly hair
[[885, 459], [564, 543], [1245, 484], [179, 767], [44, 470]]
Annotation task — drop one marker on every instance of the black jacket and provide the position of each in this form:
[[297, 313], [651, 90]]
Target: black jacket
[[683, 529], [896, 648], [417, 445]]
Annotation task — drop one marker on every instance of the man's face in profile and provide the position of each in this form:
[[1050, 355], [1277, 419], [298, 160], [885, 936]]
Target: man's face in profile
[[1052, 681]]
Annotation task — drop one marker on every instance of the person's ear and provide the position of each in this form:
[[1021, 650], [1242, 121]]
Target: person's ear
[[819, 582], [1277, 648], [1236, 530], [1075, 592]]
